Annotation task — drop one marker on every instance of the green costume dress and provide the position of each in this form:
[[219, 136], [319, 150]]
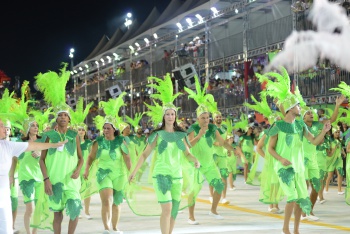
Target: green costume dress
[[112, 172], [33, 189], [232, 163], [312, 171], [335, 161], [203, 150], [166, 176], [292, 177], [89, 186], [220, 154], [270, 189], [247, 145], [347, 190], [61, 163], [321, 150], [253, 177], [14, 186]]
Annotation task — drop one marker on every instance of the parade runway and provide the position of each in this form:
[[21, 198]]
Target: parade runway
[[245, 214]]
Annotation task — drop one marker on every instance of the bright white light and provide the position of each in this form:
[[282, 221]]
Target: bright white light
[[177, 36], [200, 18], [137, 94], [131, 48], [87, 66], [127, 22], [129, 15], [189, 21], [72, 73], [71, 50], [149, 91], [137, 44], [102, 60], [136, 54], [155, 35], [179, 26], [96, 62], [146, 40], [71, 55], [108, 57], [75, 71], [80, 68], [236, 11], [215, 11]]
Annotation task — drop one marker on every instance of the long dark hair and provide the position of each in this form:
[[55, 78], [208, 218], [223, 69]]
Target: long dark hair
[[177, 128], [116, 133], [26, 138]]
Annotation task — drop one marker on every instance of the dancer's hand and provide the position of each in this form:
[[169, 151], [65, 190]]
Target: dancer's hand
[[36, 154], [86, 174], [285, 162], [327, 126], [75, 174], [48, 187], [197, 164], [340, 100], [131, 177], [203, 130]]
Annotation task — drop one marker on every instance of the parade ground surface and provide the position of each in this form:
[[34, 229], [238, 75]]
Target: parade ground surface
[[244, 214]]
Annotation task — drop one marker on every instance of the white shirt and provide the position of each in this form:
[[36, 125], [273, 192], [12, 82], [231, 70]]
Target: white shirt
[[8, 150]]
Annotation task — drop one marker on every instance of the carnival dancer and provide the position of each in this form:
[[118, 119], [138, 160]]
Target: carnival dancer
[[61, 167], [202, 136], [270, 190], [113, 162], [285, 145], [169, 141], [220, 157], [88, 186], [312, 171], [334, 161], [9, 150]]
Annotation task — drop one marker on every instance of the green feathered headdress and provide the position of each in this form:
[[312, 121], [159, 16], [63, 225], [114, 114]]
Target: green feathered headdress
[[42, 118], [229, 127], [53, 86], [279, 88], [155, 112], [135, 122], [261, 107], [206, 102], [79, 115], [343, 116], [8, 104], [343, 88], [21, 110], [242, 124], [165, 92], [111, 109], [299, 97]]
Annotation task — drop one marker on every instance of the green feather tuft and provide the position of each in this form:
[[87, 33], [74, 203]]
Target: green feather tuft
[[78, 116]]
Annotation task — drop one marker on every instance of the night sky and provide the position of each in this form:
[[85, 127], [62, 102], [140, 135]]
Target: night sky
[[36, 35]]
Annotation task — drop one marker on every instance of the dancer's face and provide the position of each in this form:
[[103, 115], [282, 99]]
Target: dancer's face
[[108, 131], [81, 132], [296, 110], [218, 119], [170, 117], [203, 120], [308, 117], [62, 119], [126, 131], [34, 127]]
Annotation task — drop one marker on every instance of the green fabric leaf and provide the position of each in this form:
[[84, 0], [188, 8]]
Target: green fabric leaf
[[162, 146], [316, 182], [27, 187], [127, 140], [164, 182], [218, 185], [73, 208], [181, 145], [286, 175], [305, 205], [247, 155], [289, 139], [102, 174], [124, 148], [117, 197], [85, 145], [57, 190], [110, 146], [224, 172], [341, 171], [175, 208], [151, 138]]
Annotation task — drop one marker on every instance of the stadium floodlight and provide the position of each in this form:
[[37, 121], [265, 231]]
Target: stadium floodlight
[[200, 18], [179, 26], [87, 66], [236, 10], [102, 60], [215, 11], [97, 63], [155, 36], [80, 68], [190, 23]]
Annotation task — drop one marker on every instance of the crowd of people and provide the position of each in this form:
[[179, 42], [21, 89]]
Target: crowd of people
[[112, 158]]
